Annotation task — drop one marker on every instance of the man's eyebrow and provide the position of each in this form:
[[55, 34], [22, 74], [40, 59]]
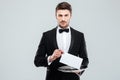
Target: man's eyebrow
[[66, 14]]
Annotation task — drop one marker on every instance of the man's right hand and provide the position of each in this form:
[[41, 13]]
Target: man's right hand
[[56, 54]]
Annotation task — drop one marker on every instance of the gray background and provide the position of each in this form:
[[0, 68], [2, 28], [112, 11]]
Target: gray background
[[22, 23]]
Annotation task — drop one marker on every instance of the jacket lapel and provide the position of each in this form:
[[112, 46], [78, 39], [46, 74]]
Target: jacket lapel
[[72, 40], [54, 37]]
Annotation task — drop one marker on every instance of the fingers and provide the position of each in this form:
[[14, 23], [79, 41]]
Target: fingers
[[77, 71], [61, 51], [56, 54]]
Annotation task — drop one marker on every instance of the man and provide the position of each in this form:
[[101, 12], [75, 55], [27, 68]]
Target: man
[[58, 41]]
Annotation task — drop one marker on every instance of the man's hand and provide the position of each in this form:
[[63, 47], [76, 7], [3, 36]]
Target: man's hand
[[56, 54], [77, 71]]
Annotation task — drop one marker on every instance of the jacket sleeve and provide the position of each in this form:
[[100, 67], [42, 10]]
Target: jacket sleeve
[[40, 57], [83, 53]]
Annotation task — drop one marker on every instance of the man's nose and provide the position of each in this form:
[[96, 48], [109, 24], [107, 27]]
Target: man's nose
[[63, 18]]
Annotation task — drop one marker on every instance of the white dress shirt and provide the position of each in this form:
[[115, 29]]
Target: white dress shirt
[[63, 39]]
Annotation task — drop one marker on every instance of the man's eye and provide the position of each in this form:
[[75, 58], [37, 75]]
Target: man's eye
[[66, 15], [60, 15]]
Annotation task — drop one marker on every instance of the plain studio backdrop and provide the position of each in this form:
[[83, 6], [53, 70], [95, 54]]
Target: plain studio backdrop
[[22, 23]]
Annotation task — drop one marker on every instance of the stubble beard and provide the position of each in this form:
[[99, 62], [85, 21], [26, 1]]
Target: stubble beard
[[63, 24]]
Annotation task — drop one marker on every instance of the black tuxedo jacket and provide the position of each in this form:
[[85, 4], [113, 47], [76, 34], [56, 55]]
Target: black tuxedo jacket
[[48, 44]]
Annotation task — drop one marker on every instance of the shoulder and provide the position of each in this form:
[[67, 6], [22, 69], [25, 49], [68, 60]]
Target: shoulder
[[49, 32], [76, 32]]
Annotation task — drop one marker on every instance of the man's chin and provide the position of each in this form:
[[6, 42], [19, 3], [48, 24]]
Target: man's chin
[[63, 26]]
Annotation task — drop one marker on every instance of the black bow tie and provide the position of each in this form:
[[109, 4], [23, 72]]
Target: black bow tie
[[63, 30]]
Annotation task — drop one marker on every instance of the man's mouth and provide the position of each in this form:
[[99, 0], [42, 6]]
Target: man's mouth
[[63, 22]]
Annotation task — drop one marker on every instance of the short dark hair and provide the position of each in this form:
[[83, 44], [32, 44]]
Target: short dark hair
[[64, 5]]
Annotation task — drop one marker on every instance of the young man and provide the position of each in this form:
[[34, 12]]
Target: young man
[[58, 41]]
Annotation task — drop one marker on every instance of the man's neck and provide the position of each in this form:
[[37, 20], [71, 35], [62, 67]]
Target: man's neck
[[67, 27]]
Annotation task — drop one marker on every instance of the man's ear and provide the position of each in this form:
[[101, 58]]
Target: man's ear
[[56, 15], [70, 15]]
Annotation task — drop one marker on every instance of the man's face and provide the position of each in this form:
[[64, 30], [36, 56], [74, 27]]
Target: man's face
[[63, 17]]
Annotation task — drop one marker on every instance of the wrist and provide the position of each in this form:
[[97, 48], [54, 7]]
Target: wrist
[[51, 58]]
